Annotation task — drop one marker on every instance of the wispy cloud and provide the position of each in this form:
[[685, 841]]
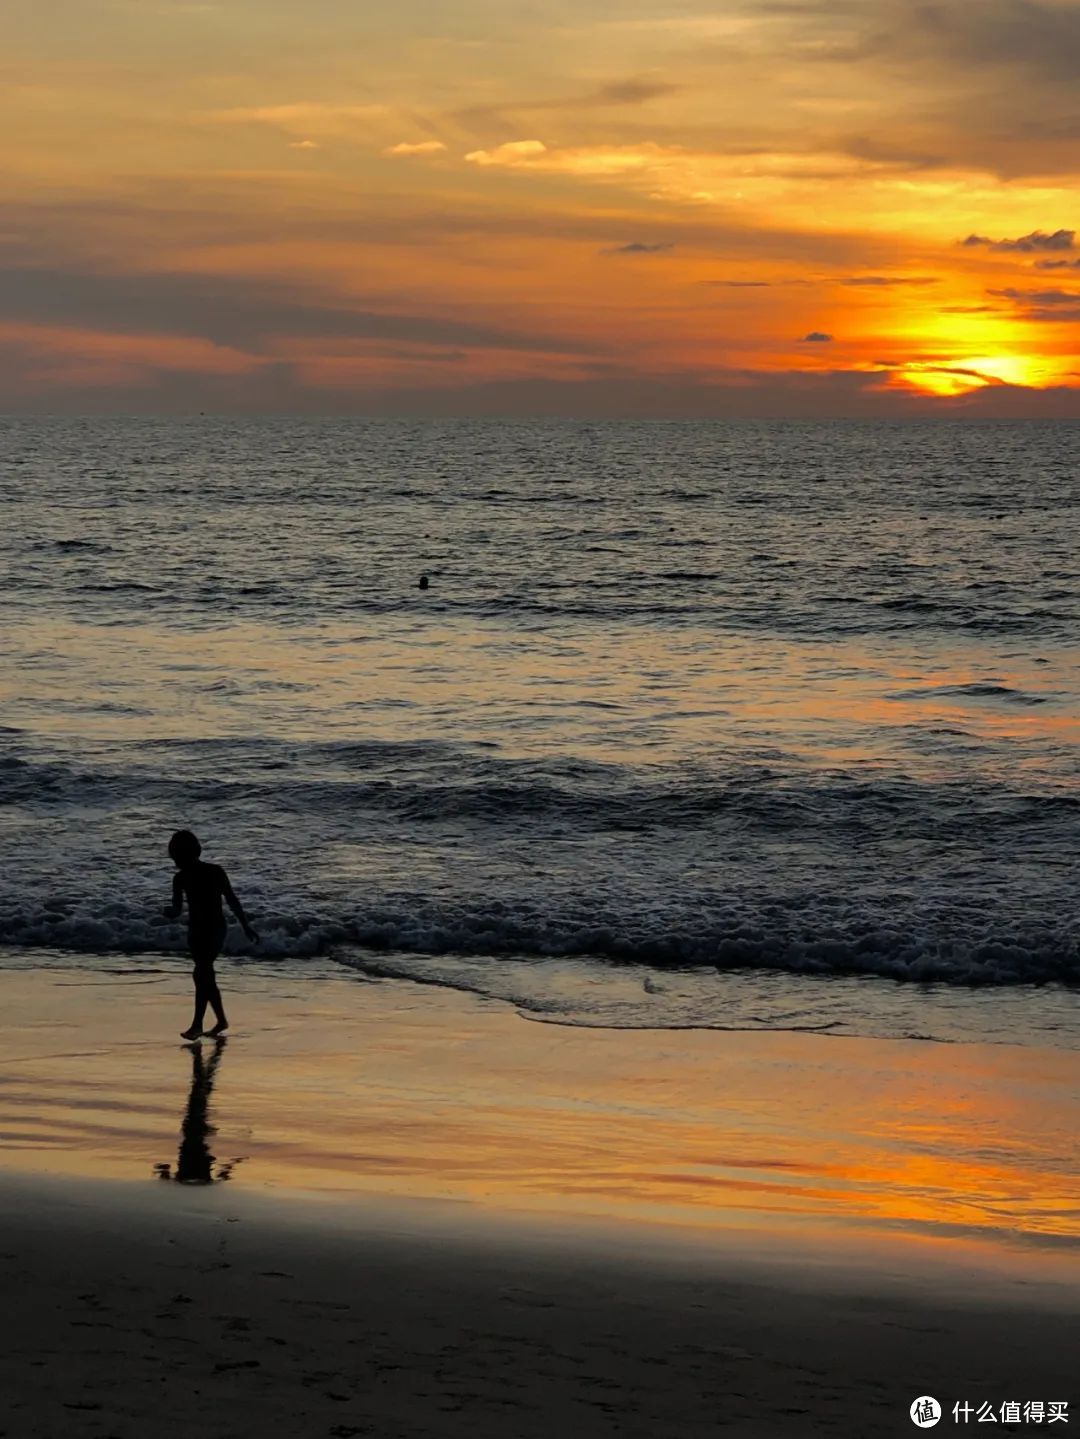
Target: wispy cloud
[[305, 118], [640, 247], [421, 147], [585, 162], [513, 153], [1037, 241], [1038, 297], [1042, 306], [971, 309], [241, 313], [1041, 37], [616, 94], [881, 281], [1051, 316]]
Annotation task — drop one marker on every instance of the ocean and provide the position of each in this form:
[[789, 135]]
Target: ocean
[[728, 725]]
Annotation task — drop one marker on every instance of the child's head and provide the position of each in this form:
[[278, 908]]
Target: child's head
[[184, 848]]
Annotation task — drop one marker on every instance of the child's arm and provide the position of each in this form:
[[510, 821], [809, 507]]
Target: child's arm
[[237, 908], [173, 911]]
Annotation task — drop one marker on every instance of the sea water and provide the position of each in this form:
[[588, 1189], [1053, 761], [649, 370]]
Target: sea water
[[741, 725]]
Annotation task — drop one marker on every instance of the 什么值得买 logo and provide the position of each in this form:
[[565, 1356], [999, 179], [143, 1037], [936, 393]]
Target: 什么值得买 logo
[[925, 1412]]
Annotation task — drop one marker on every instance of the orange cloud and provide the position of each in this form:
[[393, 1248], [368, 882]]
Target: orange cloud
[[514, 152], [423, 147]]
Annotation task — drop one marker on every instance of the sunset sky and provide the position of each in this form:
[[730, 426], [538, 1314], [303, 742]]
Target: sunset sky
[[608, 207]]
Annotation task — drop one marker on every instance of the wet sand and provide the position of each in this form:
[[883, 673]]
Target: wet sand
[[171, 1315], [427, 1216]]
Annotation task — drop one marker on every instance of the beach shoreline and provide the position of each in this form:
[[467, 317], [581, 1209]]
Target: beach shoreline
[[333, 1083], [407, 1211]]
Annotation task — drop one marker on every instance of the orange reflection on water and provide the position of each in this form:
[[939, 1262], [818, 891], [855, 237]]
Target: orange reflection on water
[[629, 696], [338, 1086]]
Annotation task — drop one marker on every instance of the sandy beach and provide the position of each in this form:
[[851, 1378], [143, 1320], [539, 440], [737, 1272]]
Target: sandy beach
[[495, 1227], [177, 1315]]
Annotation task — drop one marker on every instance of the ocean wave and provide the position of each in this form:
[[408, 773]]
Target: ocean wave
[[431, 782], [977, 690], [856, 943], [90, 546], [690, 600]]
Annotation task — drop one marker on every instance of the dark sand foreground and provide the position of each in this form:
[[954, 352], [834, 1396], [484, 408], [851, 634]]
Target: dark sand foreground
[[162, 1318]]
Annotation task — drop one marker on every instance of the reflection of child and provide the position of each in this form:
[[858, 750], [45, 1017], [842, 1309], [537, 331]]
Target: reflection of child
[[204, 886]]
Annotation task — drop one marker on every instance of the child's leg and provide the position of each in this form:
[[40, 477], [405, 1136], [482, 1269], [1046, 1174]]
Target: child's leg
[[213, 995], [205, 948], [202, 998]]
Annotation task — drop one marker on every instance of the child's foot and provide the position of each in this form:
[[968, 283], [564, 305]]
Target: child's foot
[[191, 1033], [218, 1029]]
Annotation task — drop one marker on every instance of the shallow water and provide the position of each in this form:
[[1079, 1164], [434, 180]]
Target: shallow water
[[751, 709], [329, 1083]]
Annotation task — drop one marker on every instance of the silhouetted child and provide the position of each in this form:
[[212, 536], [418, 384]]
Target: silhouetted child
[[204, 886]]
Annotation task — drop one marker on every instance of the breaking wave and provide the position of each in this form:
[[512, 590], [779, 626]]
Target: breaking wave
[[852, 944]]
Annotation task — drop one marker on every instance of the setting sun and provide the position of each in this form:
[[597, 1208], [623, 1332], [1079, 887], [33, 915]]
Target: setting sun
[[963, 375]]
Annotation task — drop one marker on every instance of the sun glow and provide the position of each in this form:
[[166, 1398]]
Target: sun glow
[[961, 375]]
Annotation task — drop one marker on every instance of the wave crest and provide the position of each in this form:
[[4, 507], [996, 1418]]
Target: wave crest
[[856, 944]]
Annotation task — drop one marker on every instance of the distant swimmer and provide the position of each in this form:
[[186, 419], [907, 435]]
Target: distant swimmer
[[423, 582], [204, 886]]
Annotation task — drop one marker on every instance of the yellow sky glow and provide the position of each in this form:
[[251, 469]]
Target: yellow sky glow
[[816, 208]]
